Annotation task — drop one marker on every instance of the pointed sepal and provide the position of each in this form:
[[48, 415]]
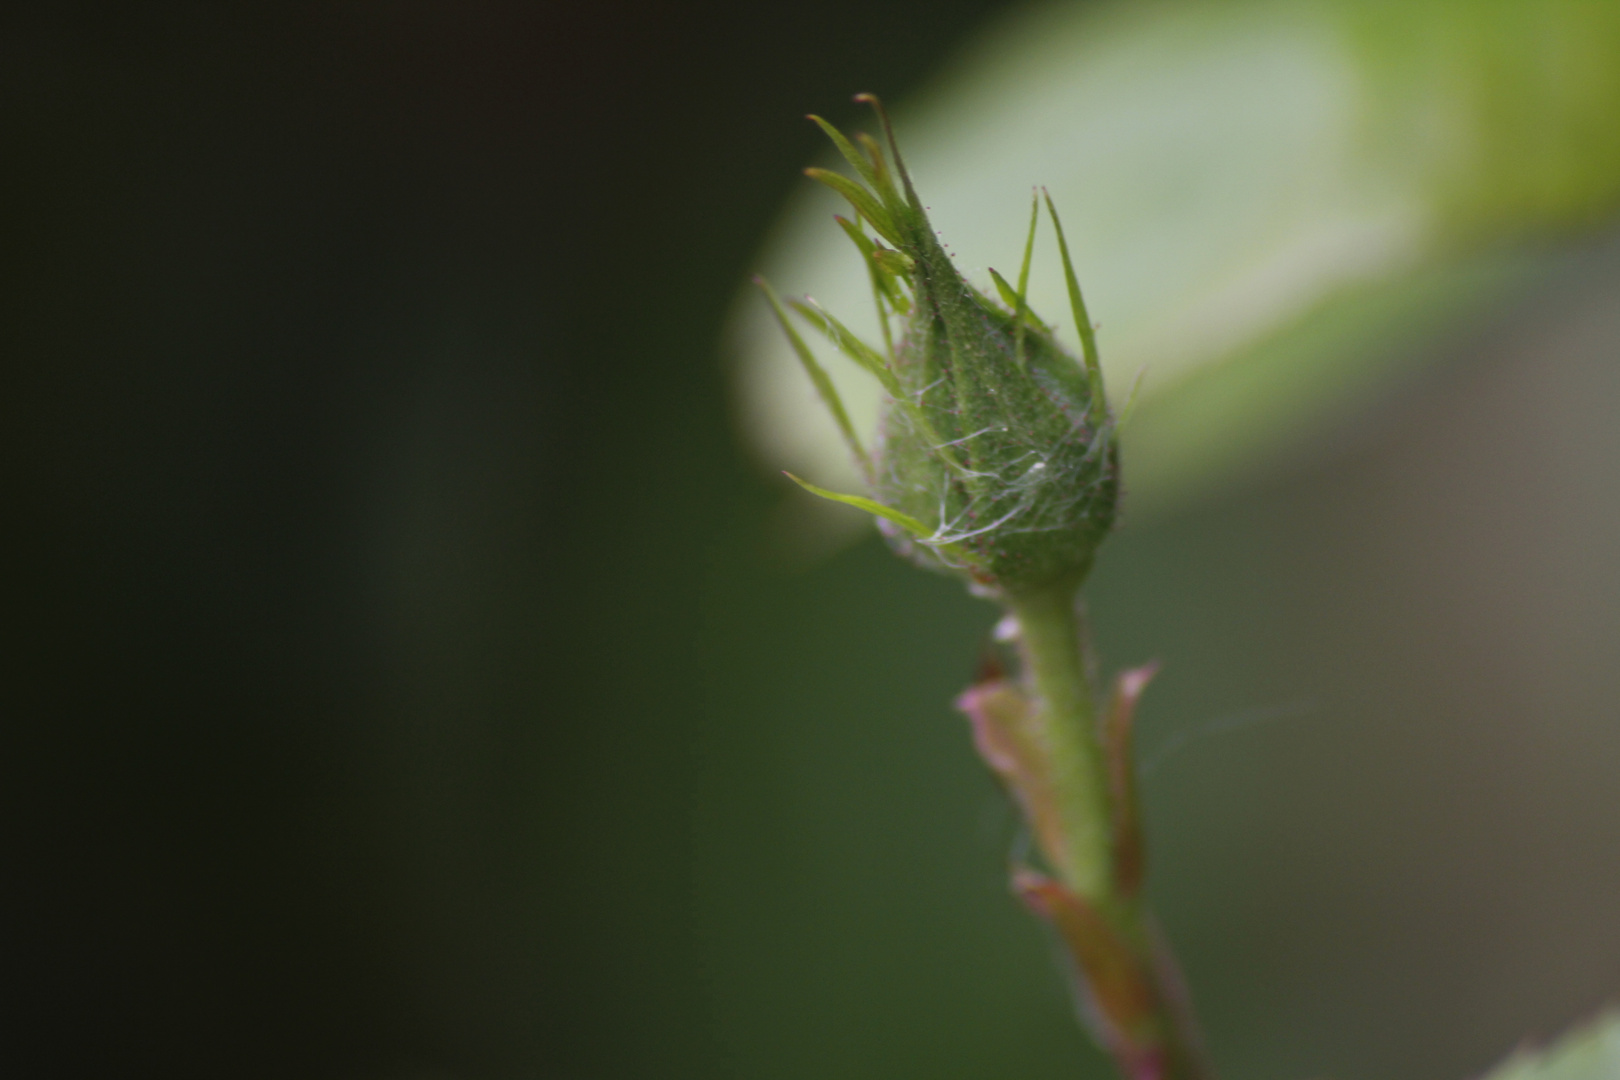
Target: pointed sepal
[[864, 202], [994, 438], [1117, 730], [917, 530]]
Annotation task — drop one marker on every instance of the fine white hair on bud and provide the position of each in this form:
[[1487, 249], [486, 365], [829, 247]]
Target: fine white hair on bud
[[997, 457]]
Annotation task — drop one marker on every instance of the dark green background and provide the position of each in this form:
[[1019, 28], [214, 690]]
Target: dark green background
[[401, 682]]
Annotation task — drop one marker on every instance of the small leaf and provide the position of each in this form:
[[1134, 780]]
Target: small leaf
[[894, 147], [1029, 245], [905, 521], [885, 185], [885, 290], [861, 241], [965, 559], [868, 358], [1088, 334], [1129, 856], [1022, 310], [818, 377], [895, 262], [851, 155], [862, 200], [850, 345], [1008, 295]]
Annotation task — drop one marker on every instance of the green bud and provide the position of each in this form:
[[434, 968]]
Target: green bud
[[997, 457]]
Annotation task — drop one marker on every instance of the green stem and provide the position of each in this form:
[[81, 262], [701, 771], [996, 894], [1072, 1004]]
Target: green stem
[[1054, 658], [1162, 1041]]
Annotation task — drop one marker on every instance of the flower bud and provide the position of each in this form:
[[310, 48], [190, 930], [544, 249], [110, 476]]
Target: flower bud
[[997, 457]]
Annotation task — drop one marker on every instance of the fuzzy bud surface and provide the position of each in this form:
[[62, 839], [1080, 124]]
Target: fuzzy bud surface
[[996, 458]]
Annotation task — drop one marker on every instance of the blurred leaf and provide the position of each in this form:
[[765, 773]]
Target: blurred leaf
[[1276, 207], [1588, 1053], [1223, 420]]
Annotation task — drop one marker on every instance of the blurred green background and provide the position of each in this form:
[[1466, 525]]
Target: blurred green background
[[406, 678]]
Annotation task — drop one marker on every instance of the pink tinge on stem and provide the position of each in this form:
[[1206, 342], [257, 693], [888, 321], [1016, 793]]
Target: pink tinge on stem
[[1118, 983], [989, 706], [1002, 718], [1130, 858]]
